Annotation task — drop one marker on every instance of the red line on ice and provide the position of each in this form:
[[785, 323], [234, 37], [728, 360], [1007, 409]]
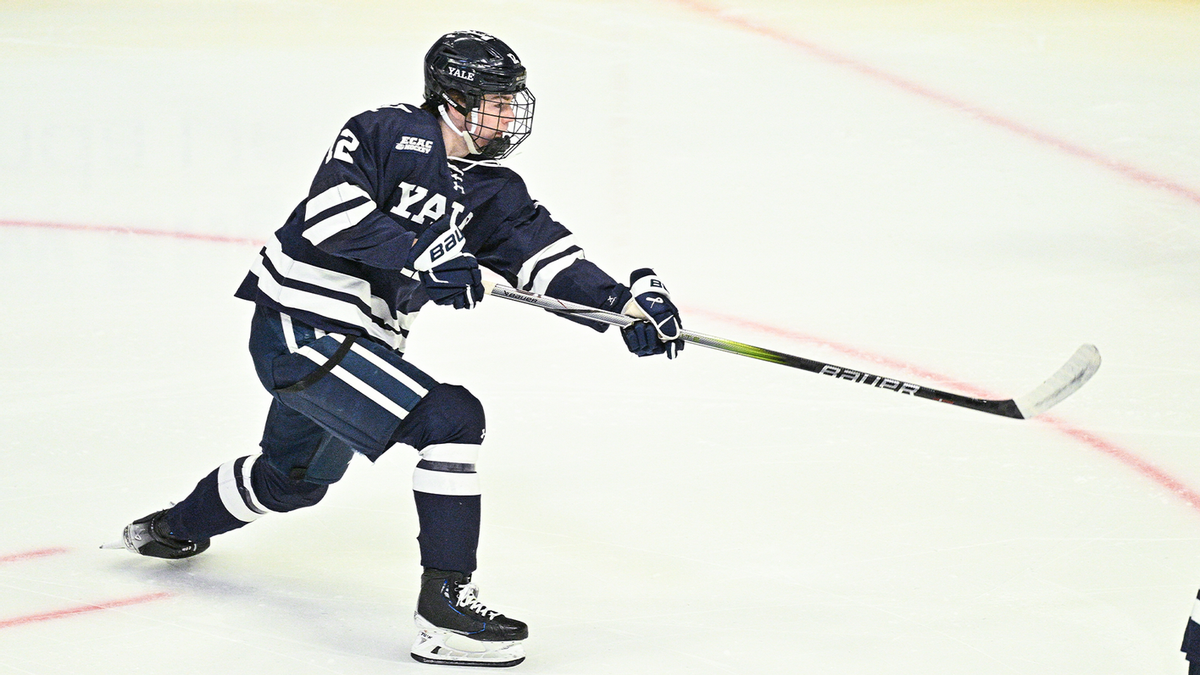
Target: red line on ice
[[30, 555], [82, 609], [1129, 459], [222, 239], [1125, 169]]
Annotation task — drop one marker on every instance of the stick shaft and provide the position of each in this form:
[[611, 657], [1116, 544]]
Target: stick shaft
[[1064, 382], [1003, 408]]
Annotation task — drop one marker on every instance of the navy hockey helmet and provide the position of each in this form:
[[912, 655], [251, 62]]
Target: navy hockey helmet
[[464, 67]]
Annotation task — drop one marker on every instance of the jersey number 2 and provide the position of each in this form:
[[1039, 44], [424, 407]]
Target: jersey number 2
[[342, 147]]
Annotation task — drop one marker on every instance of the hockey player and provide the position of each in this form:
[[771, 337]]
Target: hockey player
[[1191, 639], [407, 204]]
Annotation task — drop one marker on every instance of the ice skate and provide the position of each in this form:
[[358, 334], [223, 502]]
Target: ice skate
[[454, 628], [150, 536]]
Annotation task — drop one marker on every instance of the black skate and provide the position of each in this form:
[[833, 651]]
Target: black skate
[[150, 536], [454, 628]]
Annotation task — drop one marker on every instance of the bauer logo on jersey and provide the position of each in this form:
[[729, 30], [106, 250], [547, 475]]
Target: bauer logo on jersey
[[414, 144]]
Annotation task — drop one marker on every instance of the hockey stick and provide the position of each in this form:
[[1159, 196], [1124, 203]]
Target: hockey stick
[[1064, 382]]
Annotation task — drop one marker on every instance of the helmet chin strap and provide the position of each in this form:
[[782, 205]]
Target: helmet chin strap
[[472, 149]]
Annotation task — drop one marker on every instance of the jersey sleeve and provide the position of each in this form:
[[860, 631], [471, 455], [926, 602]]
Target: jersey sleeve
[[534, 252], [341, 216]]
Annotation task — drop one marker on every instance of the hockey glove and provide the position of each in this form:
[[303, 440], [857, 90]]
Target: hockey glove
[[450, 274], [661, 329], [455, 282]]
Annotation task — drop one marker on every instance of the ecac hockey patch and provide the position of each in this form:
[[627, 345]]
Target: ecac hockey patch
[[414, 144]]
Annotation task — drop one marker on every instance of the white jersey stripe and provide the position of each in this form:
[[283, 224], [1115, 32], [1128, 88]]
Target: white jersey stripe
[[523, 276], [324, 229], [446, 483], [333, 308], [545, 275], [338, 194], [361, 387], [334, 281]]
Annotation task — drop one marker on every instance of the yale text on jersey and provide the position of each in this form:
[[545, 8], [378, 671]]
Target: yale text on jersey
[[421, 205]]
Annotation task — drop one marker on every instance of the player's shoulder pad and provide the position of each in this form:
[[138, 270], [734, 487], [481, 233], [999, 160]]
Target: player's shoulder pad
[[396, 110], [399, 120]]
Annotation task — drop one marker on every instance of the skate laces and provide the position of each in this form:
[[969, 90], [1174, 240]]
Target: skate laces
[[468, 596]]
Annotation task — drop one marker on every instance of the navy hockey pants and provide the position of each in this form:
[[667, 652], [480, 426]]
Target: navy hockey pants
[[321, 414]]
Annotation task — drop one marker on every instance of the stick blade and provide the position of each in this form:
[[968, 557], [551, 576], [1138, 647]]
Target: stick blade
[[1074, 374]]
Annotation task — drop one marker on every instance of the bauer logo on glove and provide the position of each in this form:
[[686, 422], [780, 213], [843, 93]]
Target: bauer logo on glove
[[661, 329], [449, 273], [434, 247]]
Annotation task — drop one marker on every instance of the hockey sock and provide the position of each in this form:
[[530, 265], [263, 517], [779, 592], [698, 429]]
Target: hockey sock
[[236, 493], [447, 493]]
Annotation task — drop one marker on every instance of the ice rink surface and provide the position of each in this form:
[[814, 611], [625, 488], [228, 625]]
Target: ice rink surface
[[954, 192]]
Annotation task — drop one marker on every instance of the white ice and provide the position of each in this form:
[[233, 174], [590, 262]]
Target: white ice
[[956, 192]]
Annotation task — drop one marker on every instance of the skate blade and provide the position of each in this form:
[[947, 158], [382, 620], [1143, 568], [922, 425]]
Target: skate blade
[[456, 662], [441, 647], [114, 544]]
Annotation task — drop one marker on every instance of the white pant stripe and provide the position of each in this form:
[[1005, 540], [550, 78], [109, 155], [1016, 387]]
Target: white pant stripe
[[392, 371], [289, 333], [362, 387]]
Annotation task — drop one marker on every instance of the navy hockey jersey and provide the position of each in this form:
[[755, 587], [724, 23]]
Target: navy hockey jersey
[[338, 262]]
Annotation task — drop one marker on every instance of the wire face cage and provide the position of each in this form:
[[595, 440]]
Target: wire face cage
[[500, 122]]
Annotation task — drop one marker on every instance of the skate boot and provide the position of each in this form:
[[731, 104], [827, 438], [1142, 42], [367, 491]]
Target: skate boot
[[455, 629], [151, 536]]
